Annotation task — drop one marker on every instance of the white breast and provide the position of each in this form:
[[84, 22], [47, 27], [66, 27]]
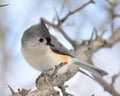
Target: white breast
[[42, 60]]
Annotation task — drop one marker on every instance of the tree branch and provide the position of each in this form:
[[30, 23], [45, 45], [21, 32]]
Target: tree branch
[[60, 22], [46, 83], [113, 39], [76, 10], [114, 77], [4, 5], [107, 87], [59, 28]]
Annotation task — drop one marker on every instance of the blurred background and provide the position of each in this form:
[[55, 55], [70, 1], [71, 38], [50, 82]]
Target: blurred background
[[21, 14]]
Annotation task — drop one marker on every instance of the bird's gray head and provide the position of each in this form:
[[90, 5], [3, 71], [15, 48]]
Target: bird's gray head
[[36, 35]]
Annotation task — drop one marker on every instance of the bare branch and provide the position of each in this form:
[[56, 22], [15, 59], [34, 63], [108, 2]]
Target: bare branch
[[59, 28], [46, 83], [45, 89], [12, 91], [109, 2], [112, 12], [103, 31], [92, 34], [113, 39], [94, 46], [107, 87], [63, 6], [57, 15], [38, 92], [57, 68], [4, 5], [76, 10], [114, 77]]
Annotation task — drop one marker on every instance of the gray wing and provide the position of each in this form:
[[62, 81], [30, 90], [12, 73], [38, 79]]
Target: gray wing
[[59, 48]]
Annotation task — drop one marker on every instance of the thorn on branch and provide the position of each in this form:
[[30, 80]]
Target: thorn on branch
[[92, 35], [96, 36], [103, 32], [95, 31]]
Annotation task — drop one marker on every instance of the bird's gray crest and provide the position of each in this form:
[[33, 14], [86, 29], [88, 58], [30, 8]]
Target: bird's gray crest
[[39, 30], [43, 30]]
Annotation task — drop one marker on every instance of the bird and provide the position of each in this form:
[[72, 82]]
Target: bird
[[43, 51]]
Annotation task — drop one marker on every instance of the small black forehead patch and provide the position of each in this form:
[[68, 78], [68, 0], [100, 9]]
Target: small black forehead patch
[[48, 39]]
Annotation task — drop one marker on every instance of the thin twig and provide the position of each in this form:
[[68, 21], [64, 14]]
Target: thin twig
[[103, 32], [76, 10], [113, 39], [63, 6], [73, 42], [107, 87], [59, 28], [57, 15], [92, 35], [4, 5], [114, 77], [12, 91], [57, 67], [109, 2], [112, 12]]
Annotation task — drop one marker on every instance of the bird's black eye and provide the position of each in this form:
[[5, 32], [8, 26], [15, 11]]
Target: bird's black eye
[[41, 40]]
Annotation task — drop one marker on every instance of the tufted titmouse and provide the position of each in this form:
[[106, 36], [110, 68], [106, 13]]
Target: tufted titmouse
[[43, 51]]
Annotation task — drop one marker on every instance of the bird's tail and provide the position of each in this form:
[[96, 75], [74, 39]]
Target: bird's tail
[[97, 72]]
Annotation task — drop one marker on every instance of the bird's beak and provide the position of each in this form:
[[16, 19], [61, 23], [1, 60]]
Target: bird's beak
[[50, 44]]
